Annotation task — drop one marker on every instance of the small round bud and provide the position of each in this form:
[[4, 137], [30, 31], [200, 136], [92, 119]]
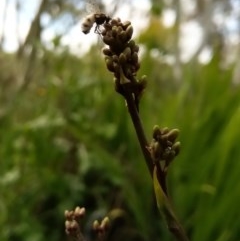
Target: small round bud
[[107, 51], [123, 36], [131, 44], [108, 40], [110, 65], [172, 135], [105, 223], [129, 31], [73, 225], [122, 59], [126, 24], [67, 223], [156, 132], [114, 22], [115, 58], [79, 212], [119, 30], [66, 213], [176, 147], [118, 20], [135, 57], [127, 52], [114, 31], [96, 225], [136, 48], [165, 130]]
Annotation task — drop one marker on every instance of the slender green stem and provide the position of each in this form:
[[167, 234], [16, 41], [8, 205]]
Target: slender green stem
[[139, 129], [173, 224]]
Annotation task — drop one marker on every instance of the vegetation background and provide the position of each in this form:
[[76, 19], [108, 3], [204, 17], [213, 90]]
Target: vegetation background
[[66, 139]]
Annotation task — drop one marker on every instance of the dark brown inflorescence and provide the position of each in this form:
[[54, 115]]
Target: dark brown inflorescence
[[121, 57]]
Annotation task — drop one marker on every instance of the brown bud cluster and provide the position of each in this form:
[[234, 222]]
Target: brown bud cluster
[[72, 223], [121, 57], [163, 147], [101, 228]]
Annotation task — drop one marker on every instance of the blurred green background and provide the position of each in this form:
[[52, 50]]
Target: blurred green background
[[66, 138]]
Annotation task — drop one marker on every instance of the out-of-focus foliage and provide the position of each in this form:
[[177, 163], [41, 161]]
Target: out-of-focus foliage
[[66, 140]]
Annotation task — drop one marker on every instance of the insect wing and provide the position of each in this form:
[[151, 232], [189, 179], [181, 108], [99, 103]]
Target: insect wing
[[92, 6]]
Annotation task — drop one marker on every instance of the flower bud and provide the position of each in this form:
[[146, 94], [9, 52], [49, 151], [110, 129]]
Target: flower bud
[[107, 51], [115, 58], [165, 130], [96, 225], [108, 40], [172, 135], [79, 212], [123, 36], [131, 44], [110, 65], [136, 48], [126, 24], [122, 59], [135, 57], [114, 31], [114, 22], [156, 132], [119, 30], [129, 31], [176, 147], [105, 223], [127, 52]]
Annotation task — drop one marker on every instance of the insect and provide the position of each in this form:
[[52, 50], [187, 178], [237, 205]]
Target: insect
[[95, 16]]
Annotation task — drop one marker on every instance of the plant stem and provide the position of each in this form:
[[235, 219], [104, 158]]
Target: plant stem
[[139, 129], [173, 224]]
